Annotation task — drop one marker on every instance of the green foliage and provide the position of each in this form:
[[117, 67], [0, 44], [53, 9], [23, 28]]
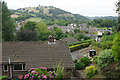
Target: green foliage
[[79, 46], [39, 73], [23, 16], [106, 45], [3, 77], [95, 59], [26, 35], [76, 30], [79, 65], [60, 71], [90, 71], [112, 71], [106, 42], [41, 28], [8, 27], [86, 61], [116, 47], [30, 26], [80, 36], [75, 60], [118, 26], [84, 41], [58, 16], [105, 22], [105, 58], [58, 34]]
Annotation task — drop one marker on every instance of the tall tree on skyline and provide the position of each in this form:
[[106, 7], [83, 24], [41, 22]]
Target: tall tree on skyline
[[8, 26]]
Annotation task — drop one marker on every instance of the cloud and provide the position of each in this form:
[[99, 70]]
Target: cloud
[[83, 7]]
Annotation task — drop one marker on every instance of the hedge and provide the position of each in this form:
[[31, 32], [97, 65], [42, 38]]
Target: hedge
[[79, 46], [76, 43]]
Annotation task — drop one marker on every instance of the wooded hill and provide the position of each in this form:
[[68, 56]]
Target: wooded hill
[[47, 13]]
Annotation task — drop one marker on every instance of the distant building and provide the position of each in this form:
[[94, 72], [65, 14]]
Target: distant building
[[70, 40]]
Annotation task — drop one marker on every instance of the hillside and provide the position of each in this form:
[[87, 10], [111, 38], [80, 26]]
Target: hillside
[[45, 12], [106, 17]]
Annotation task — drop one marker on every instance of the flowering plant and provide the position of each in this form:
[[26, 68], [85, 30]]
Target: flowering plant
[[40, 73]]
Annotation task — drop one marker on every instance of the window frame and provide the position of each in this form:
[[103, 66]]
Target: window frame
[[4, 68], [23, 69]]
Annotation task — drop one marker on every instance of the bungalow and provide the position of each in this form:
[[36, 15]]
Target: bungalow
[[19, 57]]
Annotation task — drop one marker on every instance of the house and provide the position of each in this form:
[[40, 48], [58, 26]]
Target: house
[[70, 40], [19, 57]]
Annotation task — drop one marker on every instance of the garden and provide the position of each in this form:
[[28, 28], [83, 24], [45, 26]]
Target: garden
[[106, 64]]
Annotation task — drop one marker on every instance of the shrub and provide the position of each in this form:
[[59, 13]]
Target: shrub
[[84, 41], [75, 60], [3, 77], [86, 61], [80, 65], [95, 59], [104, 58], [79, 46], [39, 73], [90, 71], [116, 47], [60, 71]]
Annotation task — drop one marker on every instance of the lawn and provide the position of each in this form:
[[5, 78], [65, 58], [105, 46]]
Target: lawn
[[34, 19]]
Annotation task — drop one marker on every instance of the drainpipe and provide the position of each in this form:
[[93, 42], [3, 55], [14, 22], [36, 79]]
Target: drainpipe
[[10, 68]]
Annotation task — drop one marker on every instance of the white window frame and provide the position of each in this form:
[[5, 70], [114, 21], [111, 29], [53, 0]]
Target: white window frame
[[18, 70], [4, 68]]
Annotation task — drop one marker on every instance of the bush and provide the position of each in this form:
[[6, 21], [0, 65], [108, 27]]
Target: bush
[[90, 71], [78, 46], [84, 41], [75, 60], [106, 45], [80, 65], [3, 77], [60, 71], [86, 61], [95, 59], [39, 73], [116, 47], [105, 58]]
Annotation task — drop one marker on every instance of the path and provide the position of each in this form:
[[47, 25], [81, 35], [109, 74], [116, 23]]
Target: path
[[80, 53]]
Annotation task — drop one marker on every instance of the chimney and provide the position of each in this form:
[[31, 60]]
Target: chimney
[[51, 38]]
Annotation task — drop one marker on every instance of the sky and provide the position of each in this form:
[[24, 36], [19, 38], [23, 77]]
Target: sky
[[89, 8]]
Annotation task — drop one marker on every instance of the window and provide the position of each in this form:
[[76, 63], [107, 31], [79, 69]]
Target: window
[[19, 66], [5, 67]]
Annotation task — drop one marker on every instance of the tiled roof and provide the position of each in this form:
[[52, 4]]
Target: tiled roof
[[37, 54]]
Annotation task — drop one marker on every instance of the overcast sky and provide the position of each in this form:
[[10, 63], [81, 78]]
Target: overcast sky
[[83, 7]]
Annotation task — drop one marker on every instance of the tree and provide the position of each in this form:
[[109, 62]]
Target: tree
[[118, 26], [76, 30], [8, 27], [105, 58], [30, 25], [26, 35], [58, 33], [41, 28], [116, 47]]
